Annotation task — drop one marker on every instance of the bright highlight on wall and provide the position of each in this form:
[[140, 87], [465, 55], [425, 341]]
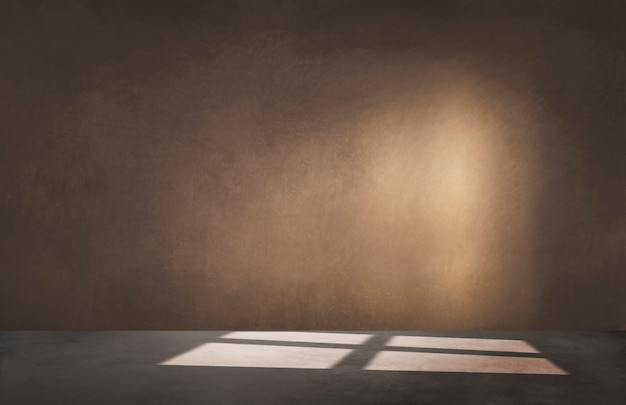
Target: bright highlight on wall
[[301, 350]]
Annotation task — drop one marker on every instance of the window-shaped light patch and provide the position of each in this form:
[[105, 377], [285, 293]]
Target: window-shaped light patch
[[434, 342], [303, 337], [261, 356], [461, 363]]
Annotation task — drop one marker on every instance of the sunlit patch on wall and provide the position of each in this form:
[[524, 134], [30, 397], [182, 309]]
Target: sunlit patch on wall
[[431, 179]]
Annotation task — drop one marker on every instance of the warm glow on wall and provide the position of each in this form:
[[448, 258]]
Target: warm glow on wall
[[435, 181], [424, 206]]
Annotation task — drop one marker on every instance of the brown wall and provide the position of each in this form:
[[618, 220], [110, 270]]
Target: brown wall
[[313, 164]]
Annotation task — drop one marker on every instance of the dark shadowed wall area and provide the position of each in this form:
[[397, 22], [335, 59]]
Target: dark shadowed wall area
[[313, 164]]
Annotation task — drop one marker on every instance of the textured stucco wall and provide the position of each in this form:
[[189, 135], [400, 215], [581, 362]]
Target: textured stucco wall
[[313, 164]]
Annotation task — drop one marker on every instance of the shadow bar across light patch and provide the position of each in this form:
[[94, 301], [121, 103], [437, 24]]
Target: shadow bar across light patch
[[261, 356]]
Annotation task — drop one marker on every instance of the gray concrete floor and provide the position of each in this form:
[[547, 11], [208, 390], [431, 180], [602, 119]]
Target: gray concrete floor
[[132, 368]]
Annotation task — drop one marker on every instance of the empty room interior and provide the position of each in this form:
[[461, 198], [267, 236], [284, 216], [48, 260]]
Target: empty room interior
[[313, 202]]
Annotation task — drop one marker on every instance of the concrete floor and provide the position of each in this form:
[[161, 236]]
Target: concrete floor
[[312, 367]]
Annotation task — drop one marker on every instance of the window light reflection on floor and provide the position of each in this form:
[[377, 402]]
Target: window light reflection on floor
[[497, 345], [263, 356], [326, 350], [461, 363], [310, 337]]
